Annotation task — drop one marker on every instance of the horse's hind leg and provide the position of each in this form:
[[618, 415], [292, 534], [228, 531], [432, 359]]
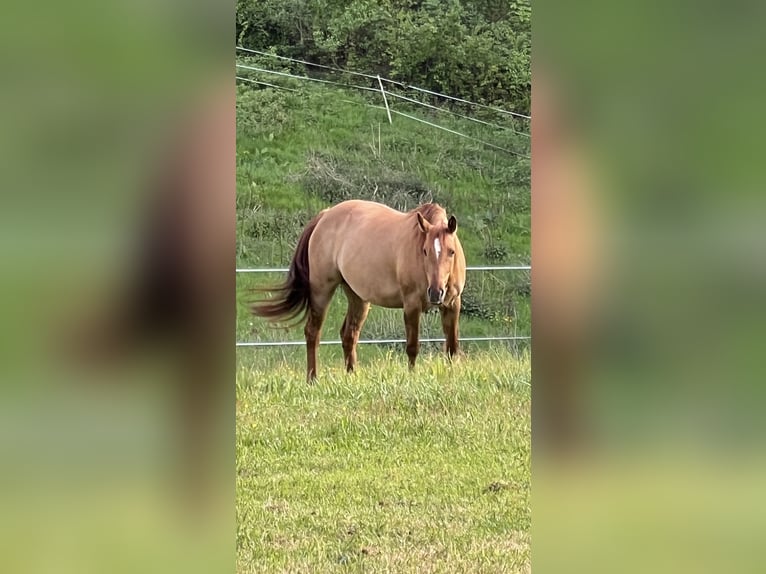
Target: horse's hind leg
[[320, 301], [352, 326]]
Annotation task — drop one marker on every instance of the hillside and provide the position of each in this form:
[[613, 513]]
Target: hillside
[[300, 151]]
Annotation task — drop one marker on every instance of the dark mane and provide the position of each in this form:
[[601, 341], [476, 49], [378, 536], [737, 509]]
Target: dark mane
[[430, 211]]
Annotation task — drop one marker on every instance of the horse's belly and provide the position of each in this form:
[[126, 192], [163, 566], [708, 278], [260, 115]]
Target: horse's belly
[[390, 302], [378, 293]]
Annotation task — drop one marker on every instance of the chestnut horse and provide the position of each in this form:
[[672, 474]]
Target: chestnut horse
[[379, 256]]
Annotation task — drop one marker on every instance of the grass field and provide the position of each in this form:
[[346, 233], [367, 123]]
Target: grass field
[[384, 470]]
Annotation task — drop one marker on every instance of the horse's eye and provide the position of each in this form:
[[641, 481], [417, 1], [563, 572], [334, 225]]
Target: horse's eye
[[424, 251], [451, 252]]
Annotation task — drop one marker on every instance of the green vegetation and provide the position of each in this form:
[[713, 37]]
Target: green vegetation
[[384, 470], [478, 49]]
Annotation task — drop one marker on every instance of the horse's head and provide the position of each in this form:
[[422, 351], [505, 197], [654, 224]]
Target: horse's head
[[438, 249]]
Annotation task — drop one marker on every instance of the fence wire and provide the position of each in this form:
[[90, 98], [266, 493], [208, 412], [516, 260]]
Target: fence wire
[[376, 341], [241, 344], [387, 80], [469, 268], [391, 110]]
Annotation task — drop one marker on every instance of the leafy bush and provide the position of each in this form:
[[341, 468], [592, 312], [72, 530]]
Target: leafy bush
[[479, 50]]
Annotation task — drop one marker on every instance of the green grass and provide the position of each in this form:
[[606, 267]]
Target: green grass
[[384, 470]]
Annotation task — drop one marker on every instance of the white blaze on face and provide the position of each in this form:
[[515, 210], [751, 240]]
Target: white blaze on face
[[437, 247]]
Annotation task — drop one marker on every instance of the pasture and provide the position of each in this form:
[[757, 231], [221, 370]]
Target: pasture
[[383, 470]]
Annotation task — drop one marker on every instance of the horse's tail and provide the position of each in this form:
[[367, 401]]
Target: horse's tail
[[291, 299]]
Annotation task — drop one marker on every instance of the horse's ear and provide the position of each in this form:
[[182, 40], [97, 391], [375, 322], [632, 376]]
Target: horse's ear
[[452, 224], [423, 224]]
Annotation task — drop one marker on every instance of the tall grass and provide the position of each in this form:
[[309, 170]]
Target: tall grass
[[385, 470]]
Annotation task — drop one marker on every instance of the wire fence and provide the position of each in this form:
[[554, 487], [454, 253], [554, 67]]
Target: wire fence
[[376, 341], [267, 84], [463, 116], [385, 341], [390, 110], [381, 90], [306, 78], [387, 80], [469, 268]]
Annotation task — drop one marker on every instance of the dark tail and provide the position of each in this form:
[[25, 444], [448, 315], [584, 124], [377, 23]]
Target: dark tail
[[291, 299]]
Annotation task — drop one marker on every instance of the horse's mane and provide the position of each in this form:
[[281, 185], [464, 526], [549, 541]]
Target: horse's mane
[[430, 211]]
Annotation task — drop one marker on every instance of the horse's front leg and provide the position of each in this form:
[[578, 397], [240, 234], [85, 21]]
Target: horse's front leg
[[450, 317], [412, 328]]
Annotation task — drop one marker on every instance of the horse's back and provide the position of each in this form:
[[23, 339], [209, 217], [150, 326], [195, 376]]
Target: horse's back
[[366, 210], [354, 220]]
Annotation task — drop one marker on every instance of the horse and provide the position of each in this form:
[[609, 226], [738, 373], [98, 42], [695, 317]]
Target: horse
[[379, 256]]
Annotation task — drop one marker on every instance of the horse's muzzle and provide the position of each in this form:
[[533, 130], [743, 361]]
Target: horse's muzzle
[[436, 296]]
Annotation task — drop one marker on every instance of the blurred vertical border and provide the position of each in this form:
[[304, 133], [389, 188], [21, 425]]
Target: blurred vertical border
[[649, 273], [117, 286]]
